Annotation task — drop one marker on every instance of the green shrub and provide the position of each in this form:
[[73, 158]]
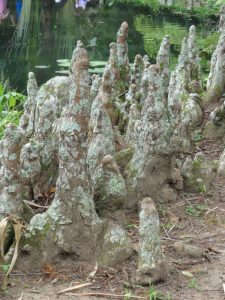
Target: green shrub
[[11, 106]]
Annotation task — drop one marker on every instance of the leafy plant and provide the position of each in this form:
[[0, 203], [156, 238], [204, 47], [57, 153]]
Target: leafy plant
[[11, 105], [5, 268], [127, 295], [195, 210], [168, 297], [193, 284], [154, 294], [131, 226], [198, 137]]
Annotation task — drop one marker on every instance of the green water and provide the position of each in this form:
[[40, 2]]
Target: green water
[[45, 32]]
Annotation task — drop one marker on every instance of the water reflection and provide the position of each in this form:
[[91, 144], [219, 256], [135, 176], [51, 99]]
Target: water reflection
[[4, 11], [48, 30], [81, 3], [77, 3]]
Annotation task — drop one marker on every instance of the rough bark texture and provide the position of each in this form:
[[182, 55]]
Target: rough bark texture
[[222, 19], [215, 127], [104, 144], [163, 61], [216, 79], [197, 173], [150, 140], [151, 261]]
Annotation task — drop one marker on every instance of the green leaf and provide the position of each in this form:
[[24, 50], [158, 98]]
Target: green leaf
[[12, 102], [1, 90], [5, 268]]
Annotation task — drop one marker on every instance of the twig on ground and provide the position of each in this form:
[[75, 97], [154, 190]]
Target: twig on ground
[[92, 274], [30, 203], [34, 291], [29, 274], [106, 295], [211, 210], [77, 287], [21, 297], [165, 231], [192, 227], [111, 269], [125, 275], [123, 93], [181, 203], [163, 284], [170, 238], [171, 228]]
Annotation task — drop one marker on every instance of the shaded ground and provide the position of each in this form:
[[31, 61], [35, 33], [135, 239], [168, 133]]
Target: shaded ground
[[196, 273], [198, 220]]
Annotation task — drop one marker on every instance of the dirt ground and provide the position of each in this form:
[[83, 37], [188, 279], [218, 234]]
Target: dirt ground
[[196, 271]]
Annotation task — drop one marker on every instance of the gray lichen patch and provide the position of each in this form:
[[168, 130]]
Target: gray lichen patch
[[116, 246], [151, 261], [197, 173], [216, 79], [110, 190], [103, 144]]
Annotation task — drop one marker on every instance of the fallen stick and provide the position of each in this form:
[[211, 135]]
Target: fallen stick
[[92, 274], [21, 297], [77, 287], [34, 204], [211, 210], [106, 295], [171, 228], [165, 231]]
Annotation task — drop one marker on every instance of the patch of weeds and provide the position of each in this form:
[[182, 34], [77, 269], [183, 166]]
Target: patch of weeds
[[154, 294], [161, 210], [195, 210], [11, 106], [5, 268], [168, 297], [167, 225], [198, 137], [130, 226], [193, 284], [215, 164], [127, 295]]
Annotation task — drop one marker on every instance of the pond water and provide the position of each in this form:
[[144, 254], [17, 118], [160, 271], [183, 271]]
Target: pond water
[[34, 34]]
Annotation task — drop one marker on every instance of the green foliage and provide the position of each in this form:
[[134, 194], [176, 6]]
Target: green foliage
[[193, 284], [195, 210], [5, 268], [154, 294], [198, 137], [11, 105], [209, 8], [130, 226], [154, 5], [128, 294]]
